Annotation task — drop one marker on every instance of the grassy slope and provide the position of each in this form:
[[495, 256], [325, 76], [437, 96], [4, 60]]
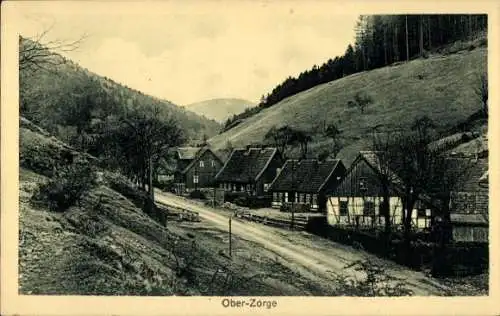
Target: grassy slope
[[112, 248], [219, 109], [445, 93]]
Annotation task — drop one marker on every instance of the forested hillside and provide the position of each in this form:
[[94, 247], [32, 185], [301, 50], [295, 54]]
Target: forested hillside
[[69, 100], [381, 40]]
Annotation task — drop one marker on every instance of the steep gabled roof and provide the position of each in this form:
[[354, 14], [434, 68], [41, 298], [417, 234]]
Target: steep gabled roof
[[198, 155], [246, 166], [187, 153], [309, 175]]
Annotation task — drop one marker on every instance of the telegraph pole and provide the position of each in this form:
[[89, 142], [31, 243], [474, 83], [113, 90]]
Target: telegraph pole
[[230, 241]]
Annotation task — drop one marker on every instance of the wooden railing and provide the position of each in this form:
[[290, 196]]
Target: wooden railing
[[300, 222]]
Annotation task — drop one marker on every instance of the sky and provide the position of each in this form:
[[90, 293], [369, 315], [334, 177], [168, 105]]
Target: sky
[[192, 51]]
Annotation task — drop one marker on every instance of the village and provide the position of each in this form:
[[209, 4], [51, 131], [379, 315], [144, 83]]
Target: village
[[346, 203]]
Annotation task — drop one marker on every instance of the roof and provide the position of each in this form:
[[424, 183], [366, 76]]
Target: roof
[[187, 153], [309, 175], [197, 157], [471, 174], [246, 165], [373, 160]]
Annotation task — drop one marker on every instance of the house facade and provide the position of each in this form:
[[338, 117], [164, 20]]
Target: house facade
[[357, 200], [470, 201], [197, 168], [304, 184], [249, 171]]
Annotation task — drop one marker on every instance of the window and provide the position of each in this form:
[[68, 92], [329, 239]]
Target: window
[[314, 199], [286, 196], [302, 198], [266, 187], [213, 163], [275, 196], [202, 164], [344, 208], [248, 188], [195, 179], [308, 198], [362, 185], [369, 208]]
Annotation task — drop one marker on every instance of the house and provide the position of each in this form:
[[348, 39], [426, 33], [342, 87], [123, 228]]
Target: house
[[357, 200], [470, 200], [249, 170], [306, 183], [196, 168]]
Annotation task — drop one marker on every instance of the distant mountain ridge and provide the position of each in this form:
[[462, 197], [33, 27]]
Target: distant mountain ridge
[[219, 109]]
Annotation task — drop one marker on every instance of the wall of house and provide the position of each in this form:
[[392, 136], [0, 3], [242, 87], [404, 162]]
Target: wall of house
[[362, 185], [279, 198], [205, 172], [356, 215], [470, 233]]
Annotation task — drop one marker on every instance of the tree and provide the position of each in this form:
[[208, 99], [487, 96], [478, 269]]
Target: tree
[[333, 132], [38, 53], [280, 137], [142, 138], [301, 138], [362, 100], [383, 146]]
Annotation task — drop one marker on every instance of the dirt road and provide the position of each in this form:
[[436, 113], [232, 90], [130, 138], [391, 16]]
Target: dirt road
[[308, 253]]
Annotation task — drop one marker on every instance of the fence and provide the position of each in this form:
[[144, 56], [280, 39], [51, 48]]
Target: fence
[[300, 222]]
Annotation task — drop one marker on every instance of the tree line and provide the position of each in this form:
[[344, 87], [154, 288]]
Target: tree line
[[380, 40]]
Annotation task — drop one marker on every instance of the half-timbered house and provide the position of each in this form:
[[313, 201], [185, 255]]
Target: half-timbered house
[[357, 200]]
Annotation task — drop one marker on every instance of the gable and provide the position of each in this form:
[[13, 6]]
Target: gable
[[360, 172]]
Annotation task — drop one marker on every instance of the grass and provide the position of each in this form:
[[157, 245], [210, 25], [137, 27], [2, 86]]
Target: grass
[[441, 87]]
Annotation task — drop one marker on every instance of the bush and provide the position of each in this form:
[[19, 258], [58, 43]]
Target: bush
[[197, 194], [67, 186], [165, 185]]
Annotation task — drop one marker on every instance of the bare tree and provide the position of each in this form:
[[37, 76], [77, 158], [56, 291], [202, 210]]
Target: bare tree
[[38, 52], [280, 137], [332, 131]]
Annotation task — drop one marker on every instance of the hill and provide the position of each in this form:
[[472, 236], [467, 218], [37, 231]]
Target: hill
[[55, 86], [219, 109], [442, 87]]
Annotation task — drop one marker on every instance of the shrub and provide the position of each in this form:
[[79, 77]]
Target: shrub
[[197, 194], [67, 186], [376, 281], [165, 185], [241, 201]]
